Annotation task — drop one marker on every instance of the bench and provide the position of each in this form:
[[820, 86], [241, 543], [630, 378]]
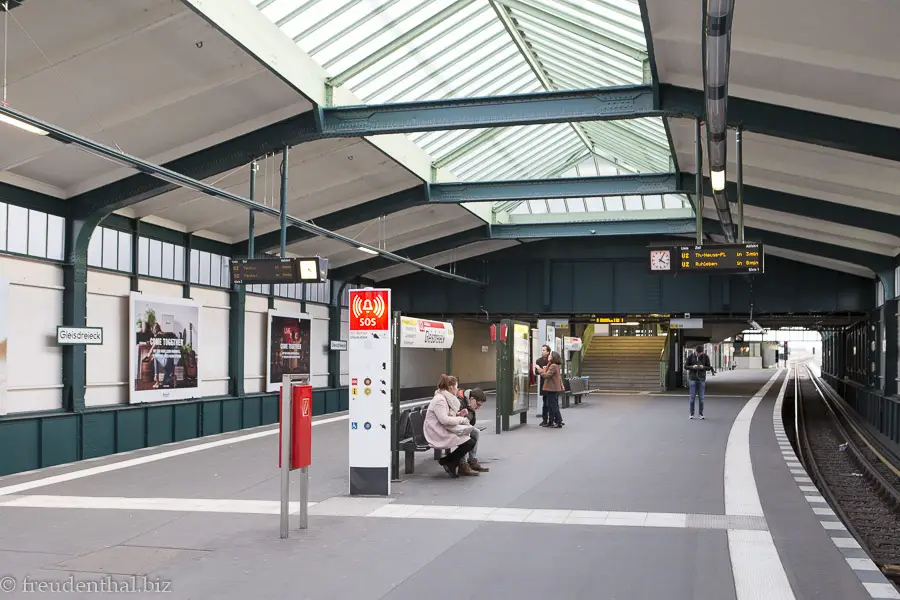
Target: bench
[[412, 437], [576, 387]]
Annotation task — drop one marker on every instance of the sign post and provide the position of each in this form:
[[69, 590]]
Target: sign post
[[295, 445], [371, 384]]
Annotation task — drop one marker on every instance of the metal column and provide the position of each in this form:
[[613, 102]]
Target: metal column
[[739, 156], [698, 193], [286, 422], [395, 397], [251, 250], [284, 189]]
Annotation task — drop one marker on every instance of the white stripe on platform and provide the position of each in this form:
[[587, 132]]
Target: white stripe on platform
[[341, 506], [132, 462], [757, 568], [882, 590]]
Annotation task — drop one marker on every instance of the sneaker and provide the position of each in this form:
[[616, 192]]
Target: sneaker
[[702, 417], [451, 470], [691, 417]]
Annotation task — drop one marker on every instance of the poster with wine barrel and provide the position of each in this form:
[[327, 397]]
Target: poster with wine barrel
[[288, 347], [164, 349]]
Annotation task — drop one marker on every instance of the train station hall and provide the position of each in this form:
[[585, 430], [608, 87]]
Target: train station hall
[[269, 269]]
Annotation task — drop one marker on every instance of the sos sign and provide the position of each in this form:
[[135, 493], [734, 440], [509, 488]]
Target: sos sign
[[370, 310]]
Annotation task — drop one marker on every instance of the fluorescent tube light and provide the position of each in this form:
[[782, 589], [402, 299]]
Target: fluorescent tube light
[[21, 125], [368, 250], [718, 180]]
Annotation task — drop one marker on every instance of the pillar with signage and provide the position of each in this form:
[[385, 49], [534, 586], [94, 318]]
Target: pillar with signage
[[514, 368], [370, 360]]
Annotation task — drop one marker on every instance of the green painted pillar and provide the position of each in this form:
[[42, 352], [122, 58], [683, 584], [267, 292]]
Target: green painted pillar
[[236, 339], [334, 333], [74, 363]]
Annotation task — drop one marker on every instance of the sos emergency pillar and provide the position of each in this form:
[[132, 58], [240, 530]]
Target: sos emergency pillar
[[295, 442]]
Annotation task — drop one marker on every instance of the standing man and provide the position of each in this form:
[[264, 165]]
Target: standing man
[[697, 365], [470, 401], [539, 366]]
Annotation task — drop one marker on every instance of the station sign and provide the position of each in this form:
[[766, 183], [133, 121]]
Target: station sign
[[338, 345], [421, 333], [746, 258], [90, 336]]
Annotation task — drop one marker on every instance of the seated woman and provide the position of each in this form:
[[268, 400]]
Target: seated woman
[[444, 428]]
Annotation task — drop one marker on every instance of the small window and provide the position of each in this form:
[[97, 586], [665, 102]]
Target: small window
[[178, 264], [168, 261], [124, 262], [143, 256], [3, 212], [95, 248], [155, 258], [37, 233], [110, 249], [56, 237], [17, 237]]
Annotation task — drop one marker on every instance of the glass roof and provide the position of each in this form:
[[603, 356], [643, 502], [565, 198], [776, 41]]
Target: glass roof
[[388, 51]]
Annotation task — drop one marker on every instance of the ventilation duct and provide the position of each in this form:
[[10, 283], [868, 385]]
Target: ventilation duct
[[716, 59]]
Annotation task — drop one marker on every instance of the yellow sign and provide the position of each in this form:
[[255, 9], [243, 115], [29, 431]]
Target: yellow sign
[[609, 320], [521, 330]]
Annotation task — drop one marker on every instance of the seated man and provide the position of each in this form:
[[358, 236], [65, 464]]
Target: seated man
[[470, 401]]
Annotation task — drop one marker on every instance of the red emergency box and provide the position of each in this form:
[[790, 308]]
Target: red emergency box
[[301, 427]]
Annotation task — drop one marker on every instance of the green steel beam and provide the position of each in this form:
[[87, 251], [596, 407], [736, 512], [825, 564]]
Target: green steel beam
[[871, 260], [341, 219], [436, 246], [842, 214], [593, 229], [198, 165], [18, 196], [794, 124], [623, 102], [539, 189]]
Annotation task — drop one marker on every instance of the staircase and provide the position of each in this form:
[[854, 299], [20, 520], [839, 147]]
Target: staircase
[[624, 363]]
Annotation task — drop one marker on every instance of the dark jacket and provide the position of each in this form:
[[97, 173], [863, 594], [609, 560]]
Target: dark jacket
[[697, 374], [464, 403], [541, 362]]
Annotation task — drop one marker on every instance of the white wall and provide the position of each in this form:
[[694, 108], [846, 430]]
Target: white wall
[[34, 361], [107, 307], [470, 363]]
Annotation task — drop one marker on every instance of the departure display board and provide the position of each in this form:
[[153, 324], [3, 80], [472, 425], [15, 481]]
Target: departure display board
[[713, 258], [264, 270]]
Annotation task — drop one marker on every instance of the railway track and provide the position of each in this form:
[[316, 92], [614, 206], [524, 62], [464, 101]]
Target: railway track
[[855, 474]]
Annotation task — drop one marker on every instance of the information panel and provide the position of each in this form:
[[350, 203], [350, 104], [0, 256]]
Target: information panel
[[370, 368], [264, 270], [715, 258], [421, 333]]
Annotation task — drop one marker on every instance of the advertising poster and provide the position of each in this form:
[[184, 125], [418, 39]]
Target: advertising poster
[[521, 367], [164, 350], [4, 335], [369, 348], [288, 347], [419, 333]]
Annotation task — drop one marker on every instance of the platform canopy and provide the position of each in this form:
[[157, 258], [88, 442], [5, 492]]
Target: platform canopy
[[206, 87]]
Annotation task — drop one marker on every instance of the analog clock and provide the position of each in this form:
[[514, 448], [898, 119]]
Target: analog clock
[[660, 260]]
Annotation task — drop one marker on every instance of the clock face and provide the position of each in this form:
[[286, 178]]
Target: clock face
[[660, 260]]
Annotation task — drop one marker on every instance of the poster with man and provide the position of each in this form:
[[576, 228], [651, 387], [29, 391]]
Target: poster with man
[[165, 348], [288, 347], [4, 334]]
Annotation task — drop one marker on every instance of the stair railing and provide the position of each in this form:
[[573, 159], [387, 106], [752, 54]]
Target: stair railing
[[586, 338], [664, 361]]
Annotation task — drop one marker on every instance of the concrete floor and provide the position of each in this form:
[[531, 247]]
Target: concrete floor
[[627, 501]]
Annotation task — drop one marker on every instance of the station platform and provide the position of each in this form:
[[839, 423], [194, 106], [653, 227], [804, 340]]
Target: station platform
[[630, 500]]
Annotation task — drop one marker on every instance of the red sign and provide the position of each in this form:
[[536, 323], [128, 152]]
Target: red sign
[[370, 310]]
